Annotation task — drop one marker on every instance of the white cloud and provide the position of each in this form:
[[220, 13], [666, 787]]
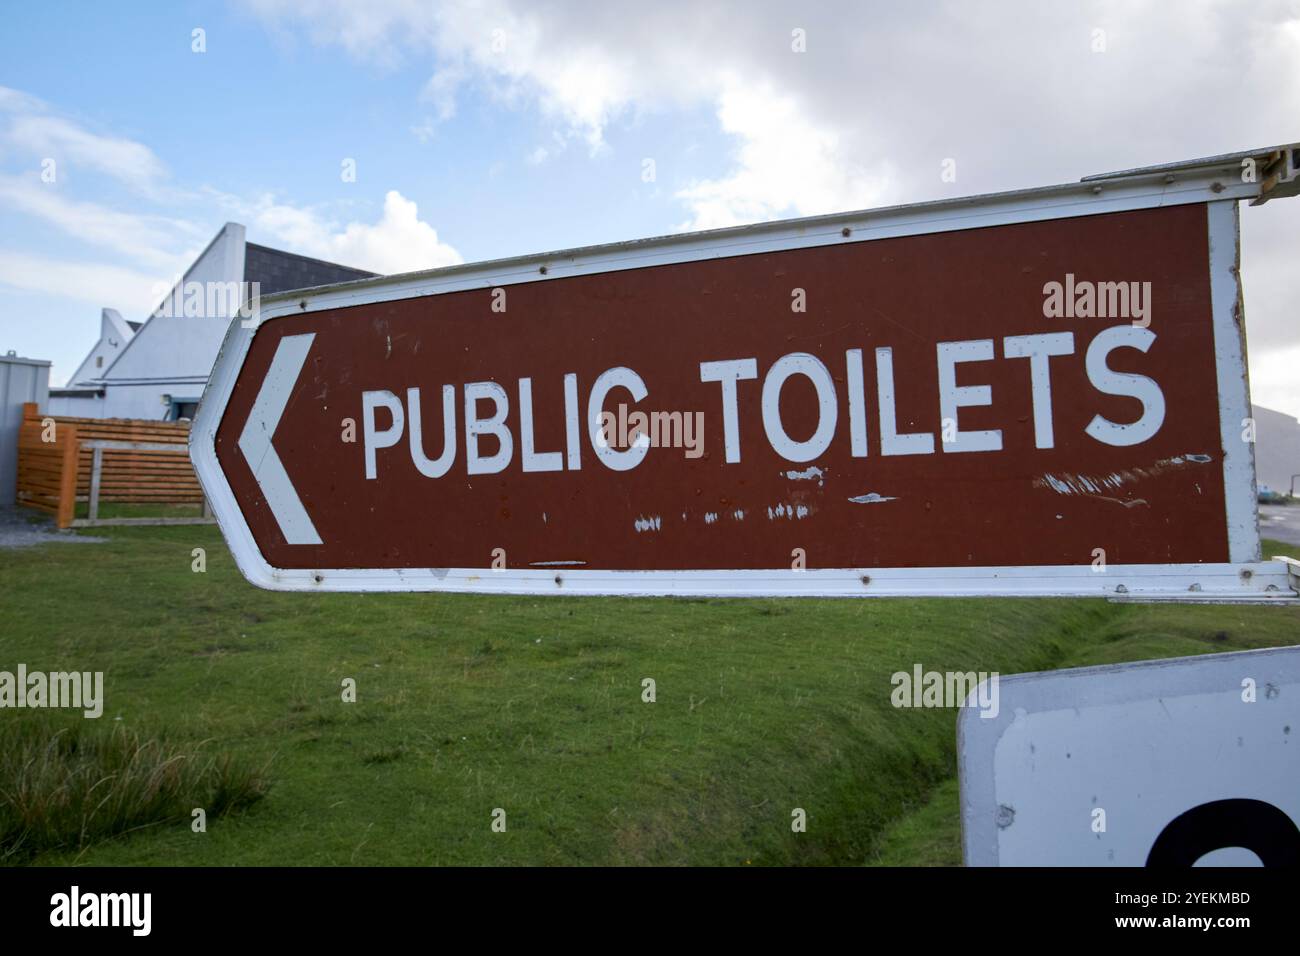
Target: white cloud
[[425, 131], [373, 31], [563, 57], [63, 141], [399, 242], [129, 291], [440, 90], [32, 131], [160, 242], [788, 165], [16, 101]]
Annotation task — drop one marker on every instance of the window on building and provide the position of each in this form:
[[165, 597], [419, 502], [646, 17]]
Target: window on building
[[184, 410], [99, 361]]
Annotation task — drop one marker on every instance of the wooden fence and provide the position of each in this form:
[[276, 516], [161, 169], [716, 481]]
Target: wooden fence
[[62, 461]]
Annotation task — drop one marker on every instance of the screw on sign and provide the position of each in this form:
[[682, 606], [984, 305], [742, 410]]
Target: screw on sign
[[976, 396]]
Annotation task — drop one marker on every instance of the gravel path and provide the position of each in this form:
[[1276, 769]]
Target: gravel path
[[24, 527]]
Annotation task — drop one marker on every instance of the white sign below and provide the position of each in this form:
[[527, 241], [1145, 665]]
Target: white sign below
[[1194, 761]]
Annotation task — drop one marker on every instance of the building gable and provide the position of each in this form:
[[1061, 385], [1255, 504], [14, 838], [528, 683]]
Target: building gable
[[114, 334], [179, 348]]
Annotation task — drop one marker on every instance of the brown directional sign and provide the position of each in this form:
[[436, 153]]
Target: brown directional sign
[[1026, 396]]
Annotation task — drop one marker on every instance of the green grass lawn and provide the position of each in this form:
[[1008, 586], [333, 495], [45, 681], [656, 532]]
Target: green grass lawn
[[466, 704]]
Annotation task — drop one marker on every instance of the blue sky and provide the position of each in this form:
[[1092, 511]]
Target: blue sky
[[505, 127]]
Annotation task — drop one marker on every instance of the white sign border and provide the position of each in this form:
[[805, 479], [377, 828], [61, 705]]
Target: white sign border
[[1245, 578]]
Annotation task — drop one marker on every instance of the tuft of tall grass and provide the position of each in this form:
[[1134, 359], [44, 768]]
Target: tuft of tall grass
[[75, 784]]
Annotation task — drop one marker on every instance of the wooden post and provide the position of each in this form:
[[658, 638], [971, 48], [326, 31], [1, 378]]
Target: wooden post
[[68, 477], [96, 467]]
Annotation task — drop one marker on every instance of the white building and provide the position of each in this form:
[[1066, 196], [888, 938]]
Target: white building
[[87, 400], [158, 370], [1277, 450]]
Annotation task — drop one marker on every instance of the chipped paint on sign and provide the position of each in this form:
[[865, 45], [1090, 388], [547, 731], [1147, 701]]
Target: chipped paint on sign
[[870, 498], [811, 473], [1078, 484], [786, 511]]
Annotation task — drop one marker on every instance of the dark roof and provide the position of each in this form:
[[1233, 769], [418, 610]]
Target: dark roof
[[277, 271]]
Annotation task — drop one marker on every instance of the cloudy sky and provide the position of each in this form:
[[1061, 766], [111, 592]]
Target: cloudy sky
[[499, 127]]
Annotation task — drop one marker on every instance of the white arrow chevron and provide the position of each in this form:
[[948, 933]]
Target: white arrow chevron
[[255, 441]]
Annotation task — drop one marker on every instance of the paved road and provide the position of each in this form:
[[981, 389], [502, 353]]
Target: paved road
[[1280, 522]]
